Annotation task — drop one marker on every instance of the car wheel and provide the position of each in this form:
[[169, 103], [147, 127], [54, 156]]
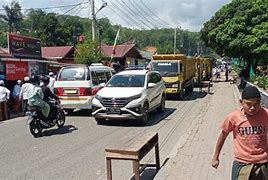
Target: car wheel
[[69, 111], [100, 121], [162, 105], [181, 94], [145, 116]]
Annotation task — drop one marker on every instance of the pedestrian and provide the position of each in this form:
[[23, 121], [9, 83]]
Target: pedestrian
[[4, 97], [218, 73], [51, 82], [226, 72], [249, 126], [24, 94], [15, 96]]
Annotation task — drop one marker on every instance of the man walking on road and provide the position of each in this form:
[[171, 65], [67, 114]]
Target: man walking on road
[[250, 127], [15, 96], [51, 82], [226, 72], [4, 97], [24, 93]]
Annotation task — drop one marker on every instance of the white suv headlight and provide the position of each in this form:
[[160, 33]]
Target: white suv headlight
[[134, 97]]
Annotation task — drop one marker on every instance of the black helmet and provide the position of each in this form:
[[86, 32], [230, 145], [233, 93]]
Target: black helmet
[[34, 79], [45, 79]]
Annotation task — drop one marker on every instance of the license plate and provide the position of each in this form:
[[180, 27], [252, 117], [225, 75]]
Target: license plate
[[113, 110], [70, 91]]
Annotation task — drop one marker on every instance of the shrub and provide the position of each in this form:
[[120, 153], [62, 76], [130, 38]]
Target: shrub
[[260, 81]]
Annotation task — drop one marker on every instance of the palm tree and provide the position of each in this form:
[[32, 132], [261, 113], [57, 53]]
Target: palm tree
[[13, 16]]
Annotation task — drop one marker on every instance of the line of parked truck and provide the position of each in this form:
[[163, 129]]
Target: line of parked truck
[[181, 73]]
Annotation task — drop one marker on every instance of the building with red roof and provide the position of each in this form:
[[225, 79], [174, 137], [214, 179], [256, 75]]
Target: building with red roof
[[125, 55], [62, 54]]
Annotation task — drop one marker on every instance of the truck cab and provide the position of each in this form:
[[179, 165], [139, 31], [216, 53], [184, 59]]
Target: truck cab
[[177, 72]]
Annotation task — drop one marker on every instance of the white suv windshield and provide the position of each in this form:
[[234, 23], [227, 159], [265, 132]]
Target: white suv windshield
[[72, 74], [127, 81]]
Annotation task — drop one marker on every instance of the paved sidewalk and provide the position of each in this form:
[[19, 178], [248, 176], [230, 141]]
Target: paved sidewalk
[[193, 158]]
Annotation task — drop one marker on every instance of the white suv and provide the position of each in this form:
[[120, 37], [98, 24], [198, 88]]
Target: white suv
[[130, 94]]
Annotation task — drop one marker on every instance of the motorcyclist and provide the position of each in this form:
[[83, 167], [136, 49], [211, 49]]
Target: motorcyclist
[[36, 97], [48, 95]]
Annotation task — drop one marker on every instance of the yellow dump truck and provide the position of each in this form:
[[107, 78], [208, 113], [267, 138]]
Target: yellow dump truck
[[198, 70], [177, 71], [202, 69], [207, 68]]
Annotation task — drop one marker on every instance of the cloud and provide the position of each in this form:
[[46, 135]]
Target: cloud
[[142, 14]]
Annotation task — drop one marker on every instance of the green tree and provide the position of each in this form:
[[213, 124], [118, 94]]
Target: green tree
[[239, 29], [3, 40], [87, 53], [71, 28], [34, 18], [13, 16]]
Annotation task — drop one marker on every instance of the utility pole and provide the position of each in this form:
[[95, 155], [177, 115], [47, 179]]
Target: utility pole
[[93, 20], [175, 39], [198, 48]]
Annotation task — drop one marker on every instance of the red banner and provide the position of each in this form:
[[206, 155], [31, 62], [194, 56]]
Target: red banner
[[16, 70]]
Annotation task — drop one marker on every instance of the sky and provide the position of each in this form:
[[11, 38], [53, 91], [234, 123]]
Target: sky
[[136, 14]]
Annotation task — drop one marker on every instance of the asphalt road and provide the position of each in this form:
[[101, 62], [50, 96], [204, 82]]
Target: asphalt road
[[76, 151]]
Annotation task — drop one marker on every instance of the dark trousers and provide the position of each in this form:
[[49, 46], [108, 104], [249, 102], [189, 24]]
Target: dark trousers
[[4, 112], [24, 106], [16, 104]]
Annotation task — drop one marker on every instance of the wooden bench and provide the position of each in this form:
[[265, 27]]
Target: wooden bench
[[204, 84], [134, 149]]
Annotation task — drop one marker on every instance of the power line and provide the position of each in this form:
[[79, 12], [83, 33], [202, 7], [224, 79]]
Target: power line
[[125, 20], [141, 13], [126, 15], [79, 10], [122, 17], [72, 8], [154, 14], [52, 7], [134, 14]]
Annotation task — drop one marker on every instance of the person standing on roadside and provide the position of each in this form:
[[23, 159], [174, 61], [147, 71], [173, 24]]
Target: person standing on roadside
[[226, 72], [24, 94], [4, 97], [15, 96], [249, 126], [51, 82]]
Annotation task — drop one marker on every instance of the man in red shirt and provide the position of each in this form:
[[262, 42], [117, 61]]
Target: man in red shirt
[[249, 126]]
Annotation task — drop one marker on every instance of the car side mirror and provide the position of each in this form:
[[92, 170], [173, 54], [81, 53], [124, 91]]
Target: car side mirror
[[151, 85]]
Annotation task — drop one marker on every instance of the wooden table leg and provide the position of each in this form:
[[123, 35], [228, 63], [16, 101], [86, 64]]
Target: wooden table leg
[[109, 168], [157, 159], [136, 169]]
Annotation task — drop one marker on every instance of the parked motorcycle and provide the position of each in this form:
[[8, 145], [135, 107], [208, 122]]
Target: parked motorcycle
[[37, 122]]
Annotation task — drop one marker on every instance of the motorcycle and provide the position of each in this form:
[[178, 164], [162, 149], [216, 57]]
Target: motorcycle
[[37, 122]]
